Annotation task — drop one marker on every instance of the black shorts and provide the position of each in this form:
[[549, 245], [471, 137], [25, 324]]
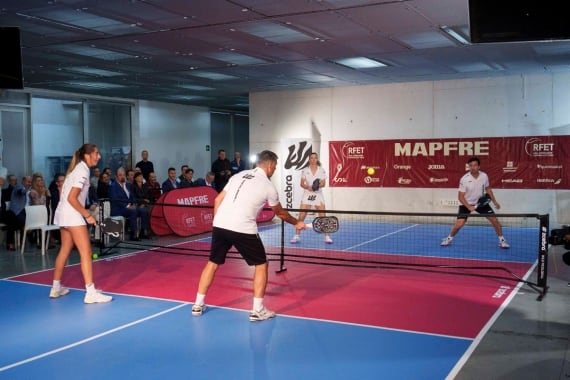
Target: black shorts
[[484, 210], [249, 246]]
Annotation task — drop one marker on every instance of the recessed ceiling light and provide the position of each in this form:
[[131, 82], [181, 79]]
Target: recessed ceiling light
[[359, 63]]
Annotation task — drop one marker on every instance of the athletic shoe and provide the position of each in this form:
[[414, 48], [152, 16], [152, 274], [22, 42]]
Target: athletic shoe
[[261, 315], [447, 241], [295, 239], [53, 293], [328, 240], [97, 297], [198, 310], [503, 244]]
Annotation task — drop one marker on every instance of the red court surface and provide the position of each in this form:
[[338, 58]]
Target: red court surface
[[411, 300]]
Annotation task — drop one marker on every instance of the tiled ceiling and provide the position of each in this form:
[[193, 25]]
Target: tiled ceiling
[[214, 52]]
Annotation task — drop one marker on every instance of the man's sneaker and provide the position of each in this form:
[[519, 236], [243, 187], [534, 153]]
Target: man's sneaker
[[53, 293], [97, 297], [295, 239], [261, 315], [328, 240], [503, 244], [447, 241], [198, 310]]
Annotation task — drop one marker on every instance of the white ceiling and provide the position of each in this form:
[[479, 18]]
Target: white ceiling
[[214, 52]]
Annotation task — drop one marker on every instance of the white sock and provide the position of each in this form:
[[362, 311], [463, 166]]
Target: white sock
[[56, 285], [257, 303], [90, 288], [501, 238], [200, 299]]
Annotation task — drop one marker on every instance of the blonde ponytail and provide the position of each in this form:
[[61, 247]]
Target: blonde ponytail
[[78, 156]]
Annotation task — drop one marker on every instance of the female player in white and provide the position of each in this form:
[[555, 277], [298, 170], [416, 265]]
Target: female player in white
[[312, 194], [72, 217]]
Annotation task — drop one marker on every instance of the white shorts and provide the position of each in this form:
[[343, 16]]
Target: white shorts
[[68, 219], [313, 199]]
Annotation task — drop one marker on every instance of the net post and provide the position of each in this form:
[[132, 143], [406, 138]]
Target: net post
[[542, 267], [282, 267]]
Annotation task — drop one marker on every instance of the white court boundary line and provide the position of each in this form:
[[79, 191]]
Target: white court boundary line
[[92, 338], [382, 236], [465, 357]]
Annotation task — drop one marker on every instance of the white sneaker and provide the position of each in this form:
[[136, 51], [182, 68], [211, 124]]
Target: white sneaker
[[447, 241], [53, 293], [261, 315], [295, 239], [503, 244], [198, 310], [328, 240], [97, 297]]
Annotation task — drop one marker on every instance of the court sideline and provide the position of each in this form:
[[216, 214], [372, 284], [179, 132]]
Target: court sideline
[[528, 341]]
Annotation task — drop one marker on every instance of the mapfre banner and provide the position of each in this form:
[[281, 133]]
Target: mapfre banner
[[529, 162]]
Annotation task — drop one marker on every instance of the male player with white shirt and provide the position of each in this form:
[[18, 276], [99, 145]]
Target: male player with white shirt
[[473, 186], [235, 214]]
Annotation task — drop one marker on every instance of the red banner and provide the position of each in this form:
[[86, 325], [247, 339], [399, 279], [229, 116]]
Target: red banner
[[529, 162], [169, 215]]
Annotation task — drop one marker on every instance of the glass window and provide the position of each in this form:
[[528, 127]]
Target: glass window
[[109, 127], [57, 130]]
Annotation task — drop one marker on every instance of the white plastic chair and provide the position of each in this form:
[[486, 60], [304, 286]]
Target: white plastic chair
[[37, 219]]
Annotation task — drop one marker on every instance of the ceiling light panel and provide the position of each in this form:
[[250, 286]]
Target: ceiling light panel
[[273, 32]]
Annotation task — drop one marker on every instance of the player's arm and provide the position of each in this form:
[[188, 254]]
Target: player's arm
[[285, 216], [489, 191], [73, 199], [218, 200], [463, 201], [304, 185]]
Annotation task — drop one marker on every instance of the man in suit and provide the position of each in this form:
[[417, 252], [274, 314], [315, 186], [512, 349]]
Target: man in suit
[[123, 204], [170, 183], [16, 214]]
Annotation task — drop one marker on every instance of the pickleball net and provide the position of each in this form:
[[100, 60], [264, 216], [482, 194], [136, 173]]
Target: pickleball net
[[392, 241]]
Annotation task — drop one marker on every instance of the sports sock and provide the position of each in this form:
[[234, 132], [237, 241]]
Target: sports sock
[[200, 299], [257, 303], [56, 285], [90, 288]]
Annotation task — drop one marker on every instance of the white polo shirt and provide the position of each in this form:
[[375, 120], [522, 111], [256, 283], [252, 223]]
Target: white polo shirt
[[65, 215], [473, 187], [246, 194]]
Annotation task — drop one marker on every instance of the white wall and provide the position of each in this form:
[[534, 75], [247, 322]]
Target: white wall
[[487, 107], [174, 135]]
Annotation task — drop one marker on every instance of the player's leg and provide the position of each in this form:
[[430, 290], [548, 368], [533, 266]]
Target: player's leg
[[60, 261], [498, 230], [301, 217], [252, 250], [82, 241], [221, 244], [459, 223], [321, 212]]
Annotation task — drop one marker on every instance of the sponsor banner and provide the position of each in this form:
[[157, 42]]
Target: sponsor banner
[[294, 155], [189, 211], [526, 162]]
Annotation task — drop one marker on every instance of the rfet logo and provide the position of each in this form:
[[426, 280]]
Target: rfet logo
[[352, 151], [535, 147], [298, 155]]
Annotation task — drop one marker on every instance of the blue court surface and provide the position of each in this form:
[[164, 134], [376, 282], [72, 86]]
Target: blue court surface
[[144, 338], [147, 332]]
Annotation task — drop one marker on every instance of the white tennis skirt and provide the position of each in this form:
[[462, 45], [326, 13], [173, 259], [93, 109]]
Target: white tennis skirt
[[313, 199], [68, 218]]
